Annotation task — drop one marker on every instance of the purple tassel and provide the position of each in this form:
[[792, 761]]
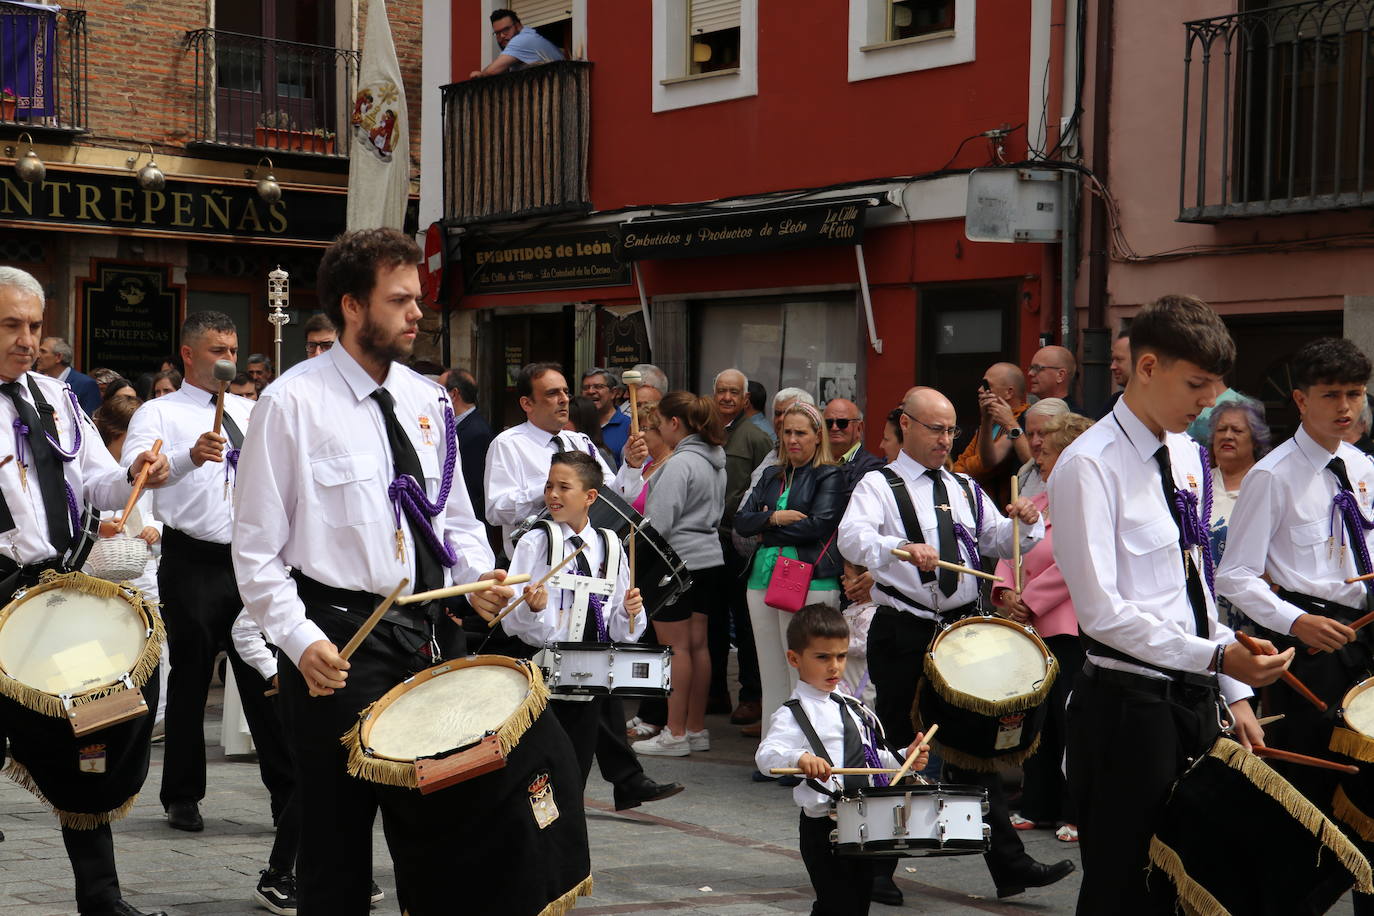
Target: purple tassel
[[409, 495]]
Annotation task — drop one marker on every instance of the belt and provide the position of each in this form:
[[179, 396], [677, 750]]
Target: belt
[[412, 617], [14, 577], [210, 551], [962, 610], [1183, 687], [1320, 606]]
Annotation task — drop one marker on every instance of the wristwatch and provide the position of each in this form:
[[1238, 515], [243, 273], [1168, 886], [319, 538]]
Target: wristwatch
[[1015, 433]]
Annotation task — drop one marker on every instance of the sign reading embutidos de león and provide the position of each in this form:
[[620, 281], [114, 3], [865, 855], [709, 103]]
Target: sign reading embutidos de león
[[560, 259], [746, 230], [129, 316]]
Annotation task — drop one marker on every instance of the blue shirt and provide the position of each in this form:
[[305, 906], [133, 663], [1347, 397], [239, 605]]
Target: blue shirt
[[615, 432], [759, 420], [529, 47]]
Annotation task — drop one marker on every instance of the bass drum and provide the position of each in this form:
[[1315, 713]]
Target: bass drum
[[660, 575]]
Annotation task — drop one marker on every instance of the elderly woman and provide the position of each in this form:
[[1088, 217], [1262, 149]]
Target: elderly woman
[[1239, 437], [1044, 603], [793, 511], [1033, 421]]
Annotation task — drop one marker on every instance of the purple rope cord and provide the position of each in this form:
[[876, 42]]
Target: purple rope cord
[[595, 602], [871, 758], [968, 540], [1349, 508], [21, 434], [1192, 527], [409, 494]]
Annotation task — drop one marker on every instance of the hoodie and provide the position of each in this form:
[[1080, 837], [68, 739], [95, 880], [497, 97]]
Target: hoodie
[[686, 500]]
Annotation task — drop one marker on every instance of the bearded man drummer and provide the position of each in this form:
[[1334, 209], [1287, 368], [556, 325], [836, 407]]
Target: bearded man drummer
[[60, 456]]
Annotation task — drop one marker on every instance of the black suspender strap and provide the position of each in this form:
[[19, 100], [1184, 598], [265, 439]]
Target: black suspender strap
[[47, 414], [804, 723], [910, 523]]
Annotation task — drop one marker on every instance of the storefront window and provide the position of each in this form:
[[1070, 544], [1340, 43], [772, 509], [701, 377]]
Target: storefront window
[[810, 344]]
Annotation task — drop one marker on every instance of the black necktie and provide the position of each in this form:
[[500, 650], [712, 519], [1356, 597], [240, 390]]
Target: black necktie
[[50, 482], [853, 745], [231, 429], [949, 544], [1337, 466], [1195, 596], [428, 570], [595, 622]]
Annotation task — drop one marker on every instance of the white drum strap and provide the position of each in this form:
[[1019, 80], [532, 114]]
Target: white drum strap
[[582, 586]]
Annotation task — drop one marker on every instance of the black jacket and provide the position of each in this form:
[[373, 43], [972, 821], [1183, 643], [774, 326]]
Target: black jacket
[[854, 469], [819, 492]]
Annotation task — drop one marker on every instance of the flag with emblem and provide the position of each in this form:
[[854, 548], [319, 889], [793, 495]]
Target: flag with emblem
[[379, 157]]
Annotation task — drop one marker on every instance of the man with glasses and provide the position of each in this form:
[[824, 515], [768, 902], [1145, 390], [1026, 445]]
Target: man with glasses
[[601, 386], [320, 335], [1051, 374], [844, 425], [914, 600], [998, 448], [520, 47]]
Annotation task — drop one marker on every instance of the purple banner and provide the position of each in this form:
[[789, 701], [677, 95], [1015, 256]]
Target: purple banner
[[28, 55]]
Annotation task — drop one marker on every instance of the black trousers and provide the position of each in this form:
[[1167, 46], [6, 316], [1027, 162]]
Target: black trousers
[[288, 818], [1126, 748], [730, 607], [93, 865], [614, 757], [1045, 795], [200, 599], [581, 720], [843, 884], [897, 643]]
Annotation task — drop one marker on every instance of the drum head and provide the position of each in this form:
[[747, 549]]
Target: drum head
[[989, 659], [446, 711], [1359, 708], [67, 642]]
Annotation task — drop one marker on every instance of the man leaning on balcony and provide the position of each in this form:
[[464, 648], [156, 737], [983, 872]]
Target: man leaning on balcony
[[520, 47]]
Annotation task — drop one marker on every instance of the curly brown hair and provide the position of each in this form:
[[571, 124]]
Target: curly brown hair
[[350, 265]]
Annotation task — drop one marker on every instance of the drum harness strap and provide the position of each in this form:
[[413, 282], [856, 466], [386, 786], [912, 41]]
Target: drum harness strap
[[912, 526], [817, 747], [582, 597], [870, 746]]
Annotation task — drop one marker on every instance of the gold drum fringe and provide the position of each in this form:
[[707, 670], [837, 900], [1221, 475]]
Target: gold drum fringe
[[992, 708], [1352, 744], [962, 758], [1347, 813], [73, 820], [565, 903]]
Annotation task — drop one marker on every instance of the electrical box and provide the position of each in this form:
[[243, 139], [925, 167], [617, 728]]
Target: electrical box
[[1015, 205]]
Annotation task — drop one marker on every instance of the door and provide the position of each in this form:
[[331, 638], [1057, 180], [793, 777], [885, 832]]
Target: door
[[1265, 346], [520, 340]]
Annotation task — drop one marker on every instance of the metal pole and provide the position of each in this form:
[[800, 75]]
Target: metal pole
[[278, 293]]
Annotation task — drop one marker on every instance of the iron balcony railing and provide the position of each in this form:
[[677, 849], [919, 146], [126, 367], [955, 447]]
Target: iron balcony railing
[[272, 95], [515, 145], [42, 67], [1277, 107]]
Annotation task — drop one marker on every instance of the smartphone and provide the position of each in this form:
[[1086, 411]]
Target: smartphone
[[985, 386]]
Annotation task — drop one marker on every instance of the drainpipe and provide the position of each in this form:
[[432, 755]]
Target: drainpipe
[[1096, 351]]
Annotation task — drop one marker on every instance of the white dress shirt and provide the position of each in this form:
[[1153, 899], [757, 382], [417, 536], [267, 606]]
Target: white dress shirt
[[872, 528], [1284, 525], [518, 467], [193, 501], [252, 646], [1117, 545], [554, 623], [94, 475], [312, 492], [786, 743]]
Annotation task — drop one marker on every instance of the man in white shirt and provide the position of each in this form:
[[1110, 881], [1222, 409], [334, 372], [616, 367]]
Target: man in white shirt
[[342, 447], [1133, 552], [913, 600], [196, 576], [1297, 525]]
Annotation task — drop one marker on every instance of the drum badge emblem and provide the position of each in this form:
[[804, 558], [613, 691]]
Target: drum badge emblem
[[425, 434], [541, 801], [92, 758], [55, 599], [1009, 731], [1192, 481]]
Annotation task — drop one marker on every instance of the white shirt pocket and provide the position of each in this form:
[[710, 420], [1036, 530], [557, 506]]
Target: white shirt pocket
[[1310, 544], [1154, 559], [343, 483]]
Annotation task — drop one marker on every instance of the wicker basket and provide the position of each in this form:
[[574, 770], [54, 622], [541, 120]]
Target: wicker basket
[[119, 559]]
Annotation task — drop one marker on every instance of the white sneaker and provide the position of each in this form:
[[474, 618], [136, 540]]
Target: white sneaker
[[699, 741], [638, 728], [664, 744]]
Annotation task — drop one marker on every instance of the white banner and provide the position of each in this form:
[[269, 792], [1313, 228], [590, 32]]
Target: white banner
[[379, 159]]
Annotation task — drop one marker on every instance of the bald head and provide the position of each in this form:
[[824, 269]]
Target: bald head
[[1008, 382], [844, 425], [1051, 372], [925, 410]]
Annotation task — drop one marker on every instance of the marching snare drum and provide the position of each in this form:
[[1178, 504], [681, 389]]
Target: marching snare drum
[[607, 669], [912, 820], [79, 648], [986, 682], [1356, 738]]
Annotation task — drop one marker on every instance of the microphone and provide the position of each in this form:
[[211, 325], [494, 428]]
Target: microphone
[[224, 374]]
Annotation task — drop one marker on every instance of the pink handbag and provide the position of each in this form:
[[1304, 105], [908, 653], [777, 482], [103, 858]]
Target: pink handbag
[[790, 581]]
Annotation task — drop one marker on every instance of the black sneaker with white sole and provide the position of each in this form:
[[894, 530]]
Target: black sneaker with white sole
[[376, 894], [276, 891]]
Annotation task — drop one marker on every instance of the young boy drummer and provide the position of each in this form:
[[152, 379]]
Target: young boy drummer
[[817, 728], [1159, 662], [576, 606], [1300, 523]]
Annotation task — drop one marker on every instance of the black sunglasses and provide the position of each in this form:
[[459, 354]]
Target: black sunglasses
[[840, 423]]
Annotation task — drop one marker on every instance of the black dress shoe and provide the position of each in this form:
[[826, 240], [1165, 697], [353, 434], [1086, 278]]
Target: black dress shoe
[[121, 907], [1037, 874], [885, 890], [641, 789], [185, 816]]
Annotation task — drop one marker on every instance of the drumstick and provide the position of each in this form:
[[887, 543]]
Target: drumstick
[[899, 552], [467, 588], [520, 598], [838, 771], [1016, 537], [137, 490], [1269, 720], [7, 459], [1305, 760], [224, 374], [632, 380], [1289, 677], [372, 621], [1366, 619], [915, 752], [633, 532], [1365, 578]]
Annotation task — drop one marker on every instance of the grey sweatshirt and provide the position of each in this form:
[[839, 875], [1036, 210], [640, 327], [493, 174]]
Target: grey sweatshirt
[[686, 499]]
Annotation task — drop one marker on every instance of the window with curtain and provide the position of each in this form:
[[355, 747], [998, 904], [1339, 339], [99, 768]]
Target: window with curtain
[[713, 33]]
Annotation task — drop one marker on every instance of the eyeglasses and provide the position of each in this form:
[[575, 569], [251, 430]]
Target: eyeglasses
[[1036, 367], [318, 346], [954, 431], [591, 387], [838, 422]]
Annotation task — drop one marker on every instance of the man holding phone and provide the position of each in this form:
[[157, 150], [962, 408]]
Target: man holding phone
[[998, 447]]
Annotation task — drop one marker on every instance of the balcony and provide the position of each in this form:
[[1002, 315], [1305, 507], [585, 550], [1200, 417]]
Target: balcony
[[1277, 107], [271, 96], [515, 145], [42, 69]]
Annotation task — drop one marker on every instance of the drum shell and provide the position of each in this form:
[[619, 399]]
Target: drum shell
[[970, 739], [873, 809], [610, 666]]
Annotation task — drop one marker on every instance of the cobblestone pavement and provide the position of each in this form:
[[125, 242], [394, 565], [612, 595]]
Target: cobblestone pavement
[[725, 847]]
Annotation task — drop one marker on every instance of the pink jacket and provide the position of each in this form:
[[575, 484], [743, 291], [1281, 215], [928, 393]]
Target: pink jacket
[[1043, 588]]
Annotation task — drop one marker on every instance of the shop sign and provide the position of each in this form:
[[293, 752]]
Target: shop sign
[[624, 341], [129, 315], [563, 259], [212, 210], [745, 230]]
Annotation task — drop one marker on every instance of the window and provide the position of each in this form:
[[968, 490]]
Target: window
[[553, 19], [704, 51], [887, 37], [912, 18], [713, 34]]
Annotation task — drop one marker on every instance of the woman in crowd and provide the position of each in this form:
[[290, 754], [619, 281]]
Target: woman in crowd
[[1044, 603], [685, 502], [653, 712], [165, 382], [1033, 421], [1239, 437], [892, 435], [792, 512], [119, 387]]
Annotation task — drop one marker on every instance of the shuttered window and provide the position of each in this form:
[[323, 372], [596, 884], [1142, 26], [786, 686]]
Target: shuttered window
[[706, 16], [534, 13]]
